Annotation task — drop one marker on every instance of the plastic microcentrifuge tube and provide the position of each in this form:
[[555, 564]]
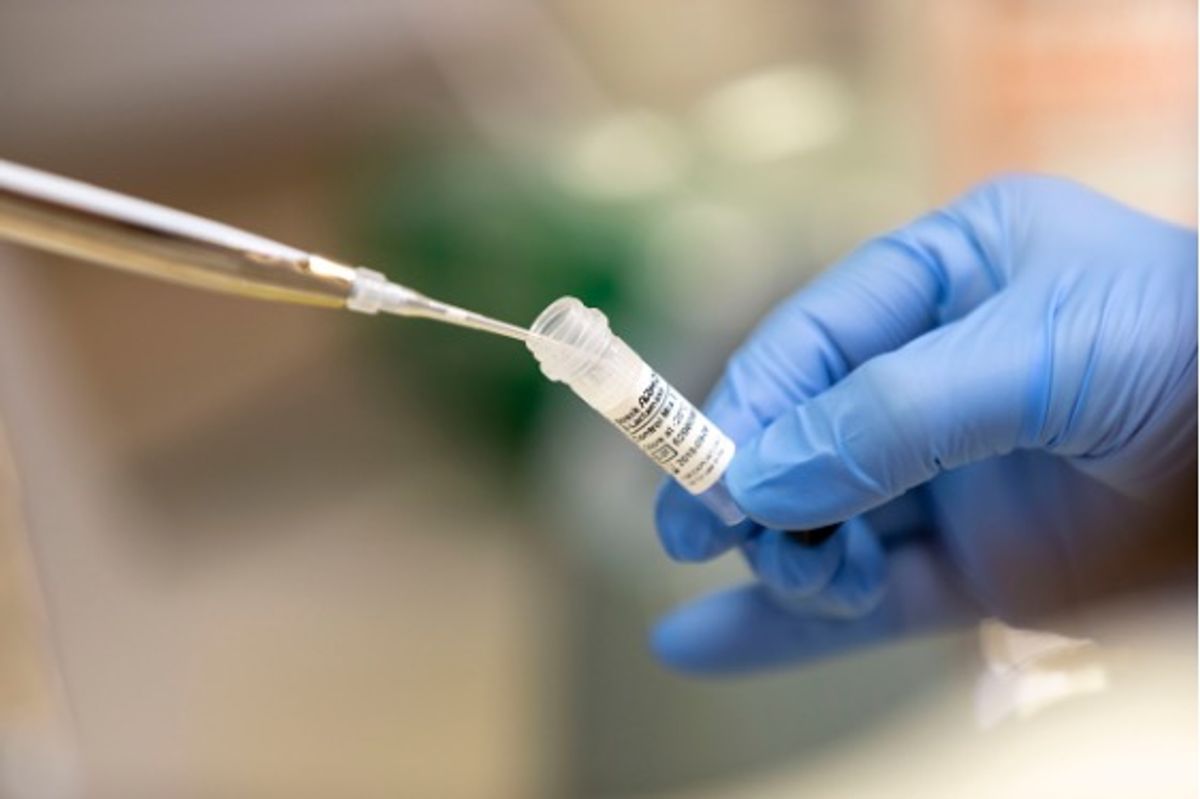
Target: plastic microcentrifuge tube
[[574, 345]]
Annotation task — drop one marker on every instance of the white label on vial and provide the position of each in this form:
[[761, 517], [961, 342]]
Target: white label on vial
[[673, 433]]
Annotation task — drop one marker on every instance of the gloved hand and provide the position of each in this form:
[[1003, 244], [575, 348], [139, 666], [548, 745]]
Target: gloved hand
[[997, 400]]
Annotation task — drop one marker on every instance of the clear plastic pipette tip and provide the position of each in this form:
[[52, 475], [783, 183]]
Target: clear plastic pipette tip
[[373, 292], [453, 315]]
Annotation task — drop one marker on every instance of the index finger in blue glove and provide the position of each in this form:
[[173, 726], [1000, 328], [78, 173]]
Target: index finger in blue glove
[[944, 400], [881, 296], [884, 294]]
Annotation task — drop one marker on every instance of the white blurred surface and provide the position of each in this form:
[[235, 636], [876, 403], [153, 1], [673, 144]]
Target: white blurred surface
[[1137, 738]]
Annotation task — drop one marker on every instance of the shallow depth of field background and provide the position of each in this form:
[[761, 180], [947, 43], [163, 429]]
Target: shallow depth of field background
[[255, 550]]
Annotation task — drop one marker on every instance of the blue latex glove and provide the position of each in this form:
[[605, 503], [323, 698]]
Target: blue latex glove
[[999, 397]]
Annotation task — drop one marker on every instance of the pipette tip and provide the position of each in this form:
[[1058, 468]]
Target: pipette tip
[[373, 292]]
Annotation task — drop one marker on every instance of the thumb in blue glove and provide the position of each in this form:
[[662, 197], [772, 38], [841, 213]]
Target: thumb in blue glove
[[998, 401]]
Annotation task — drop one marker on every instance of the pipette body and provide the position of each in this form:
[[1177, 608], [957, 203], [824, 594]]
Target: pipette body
[[65, 216]]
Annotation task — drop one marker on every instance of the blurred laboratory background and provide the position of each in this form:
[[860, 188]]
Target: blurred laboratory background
[[256, 550]]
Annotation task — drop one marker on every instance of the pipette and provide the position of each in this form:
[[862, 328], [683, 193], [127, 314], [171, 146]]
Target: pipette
[[73, 218]]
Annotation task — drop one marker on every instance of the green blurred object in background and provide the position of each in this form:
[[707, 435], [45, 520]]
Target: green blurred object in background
[[491, 236]]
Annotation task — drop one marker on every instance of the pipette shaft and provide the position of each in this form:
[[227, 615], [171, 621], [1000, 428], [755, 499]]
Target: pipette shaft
[[65, 216]]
